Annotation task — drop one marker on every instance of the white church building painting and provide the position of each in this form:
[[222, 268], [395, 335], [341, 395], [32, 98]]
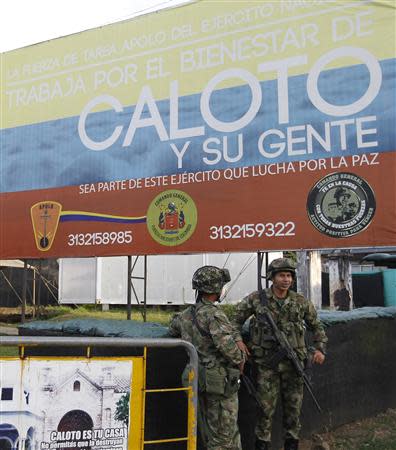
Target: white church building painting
[[59, 404]]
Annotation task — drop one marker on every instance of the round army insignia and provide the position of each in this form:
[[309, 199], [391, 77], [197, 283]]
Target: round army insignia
[[172, 217], [341, 205]]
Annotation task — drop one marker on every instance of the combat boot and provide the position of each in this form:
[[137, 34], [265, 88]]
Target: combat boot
[[263, 445], [291, 444]]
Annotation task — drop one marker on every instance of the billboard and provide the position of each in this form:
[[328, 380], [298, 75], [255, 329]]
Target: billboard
[[71, 404], [214, 126]]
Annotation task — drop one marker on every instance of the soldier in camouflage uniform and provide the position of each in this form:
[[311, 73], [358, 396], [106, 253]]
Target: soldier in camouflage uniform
[[292, 314], [221, 361]]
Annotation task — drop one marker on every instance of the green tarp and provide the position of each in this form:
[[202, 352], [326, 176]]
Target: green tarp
[[97, 327], [135, 329], [369, 312]]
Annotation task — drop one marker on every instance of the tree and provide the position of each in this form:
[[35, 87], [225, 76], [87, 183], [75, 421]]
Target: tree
[[122, 409]]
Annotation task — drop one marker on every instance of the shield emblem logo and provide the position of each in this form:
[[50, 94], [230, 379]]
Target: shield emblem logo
[[45, 219]]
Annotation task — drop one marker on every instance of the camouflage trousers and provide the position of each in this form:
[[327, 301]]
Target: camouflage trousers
[[286, 384], [221, 414]]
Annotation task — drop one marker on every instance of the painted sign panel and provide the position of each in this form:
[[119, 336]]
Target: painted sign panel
[[69, 404], [215, 126]]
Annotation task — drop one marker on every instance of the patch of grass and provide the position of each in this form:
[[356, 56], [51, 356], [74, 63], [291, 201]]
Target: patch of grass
[[374, 433], [58, 313], [157, 314], [383, 444], [52, 312], [8, 351]]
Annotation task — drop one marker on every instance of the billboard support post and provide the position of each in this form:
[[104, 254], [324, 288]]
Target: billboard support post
[[34, 299], [309, 275], [39, 282], [315, 278], [303, 272], [24, 291], [129, 288], [340, 280], [145, 289]]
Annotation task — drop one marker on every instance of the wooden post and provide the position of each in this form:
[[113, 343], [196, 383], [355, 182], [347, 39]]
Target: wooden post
[[309, 276], [24, 289], [302, 273], [340, 282], [315, 278], [38, 302], [34, 294]]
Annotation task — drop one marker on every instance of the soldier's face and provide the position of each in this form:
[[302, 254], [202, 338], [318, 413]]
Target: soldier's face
[[282, 280]]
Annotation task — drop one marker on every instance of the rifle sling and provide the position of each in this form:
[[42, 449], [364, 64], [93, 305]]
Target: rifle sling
[[281, 354], [263, 297]]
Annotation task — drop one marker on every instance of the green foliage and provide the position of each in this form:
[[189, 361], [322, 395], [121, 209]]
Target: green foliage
[[155, 314], [8, 351], [50, 312], [122, 409], [291, 255], [228, 309]]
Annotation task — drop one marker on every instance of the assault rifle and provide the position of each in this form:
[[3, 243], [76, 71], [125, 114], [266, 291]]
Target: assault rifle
[[285, 350], [252, 390]]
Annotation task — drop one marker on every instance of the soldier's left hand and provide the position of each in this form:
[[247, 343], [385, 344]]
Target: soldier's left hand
[[318, 357]]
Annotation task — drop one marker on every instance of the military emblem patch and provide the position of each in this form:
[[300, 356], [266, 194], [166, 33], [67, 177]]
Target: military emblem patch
[[341, 205], [171, 217], [45, 219]]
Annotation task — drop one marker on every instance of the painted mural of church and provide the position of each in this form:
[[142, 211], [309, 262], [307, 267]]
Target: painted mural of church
[[41, 399]]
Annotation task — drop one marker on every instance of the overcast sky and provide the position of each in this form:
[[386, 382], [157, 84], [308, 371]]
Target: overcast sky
[[25, 22]]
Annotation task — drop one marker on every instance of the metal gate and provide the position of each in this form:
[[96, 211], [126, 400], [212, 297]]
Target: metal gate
[[43, 367]]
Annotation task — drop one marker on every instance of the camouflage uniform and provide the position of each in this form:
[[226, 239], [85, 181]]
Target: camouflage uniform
[[216, 347], [292, 315]]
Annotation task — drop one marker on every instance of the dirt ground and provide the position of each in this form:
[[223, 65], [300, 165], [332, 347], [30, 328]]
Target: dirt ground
[[375, 433], [13, 315]]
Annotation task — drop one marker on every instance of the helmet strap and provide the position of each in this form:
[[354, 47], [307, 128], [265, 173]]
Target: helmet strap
[[198, 296]]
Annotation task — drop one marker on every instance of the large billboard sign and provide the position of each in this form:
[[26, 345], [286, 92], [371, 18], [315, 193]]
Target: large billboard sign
[[214, 126], [71, 404]]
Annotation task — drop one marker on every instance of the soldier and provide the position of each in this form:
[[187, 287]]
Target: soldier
[[342, 197], [220, 359], [292, 313]]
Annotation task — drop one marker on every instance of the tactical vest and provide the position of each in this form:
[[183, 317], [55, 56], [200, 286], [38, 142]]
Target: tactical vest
[[289, 318]]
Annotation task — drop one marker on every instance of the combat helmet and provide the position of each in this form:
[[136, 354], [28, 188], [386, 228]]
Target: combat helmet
[[281, 265], [210, 279]]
